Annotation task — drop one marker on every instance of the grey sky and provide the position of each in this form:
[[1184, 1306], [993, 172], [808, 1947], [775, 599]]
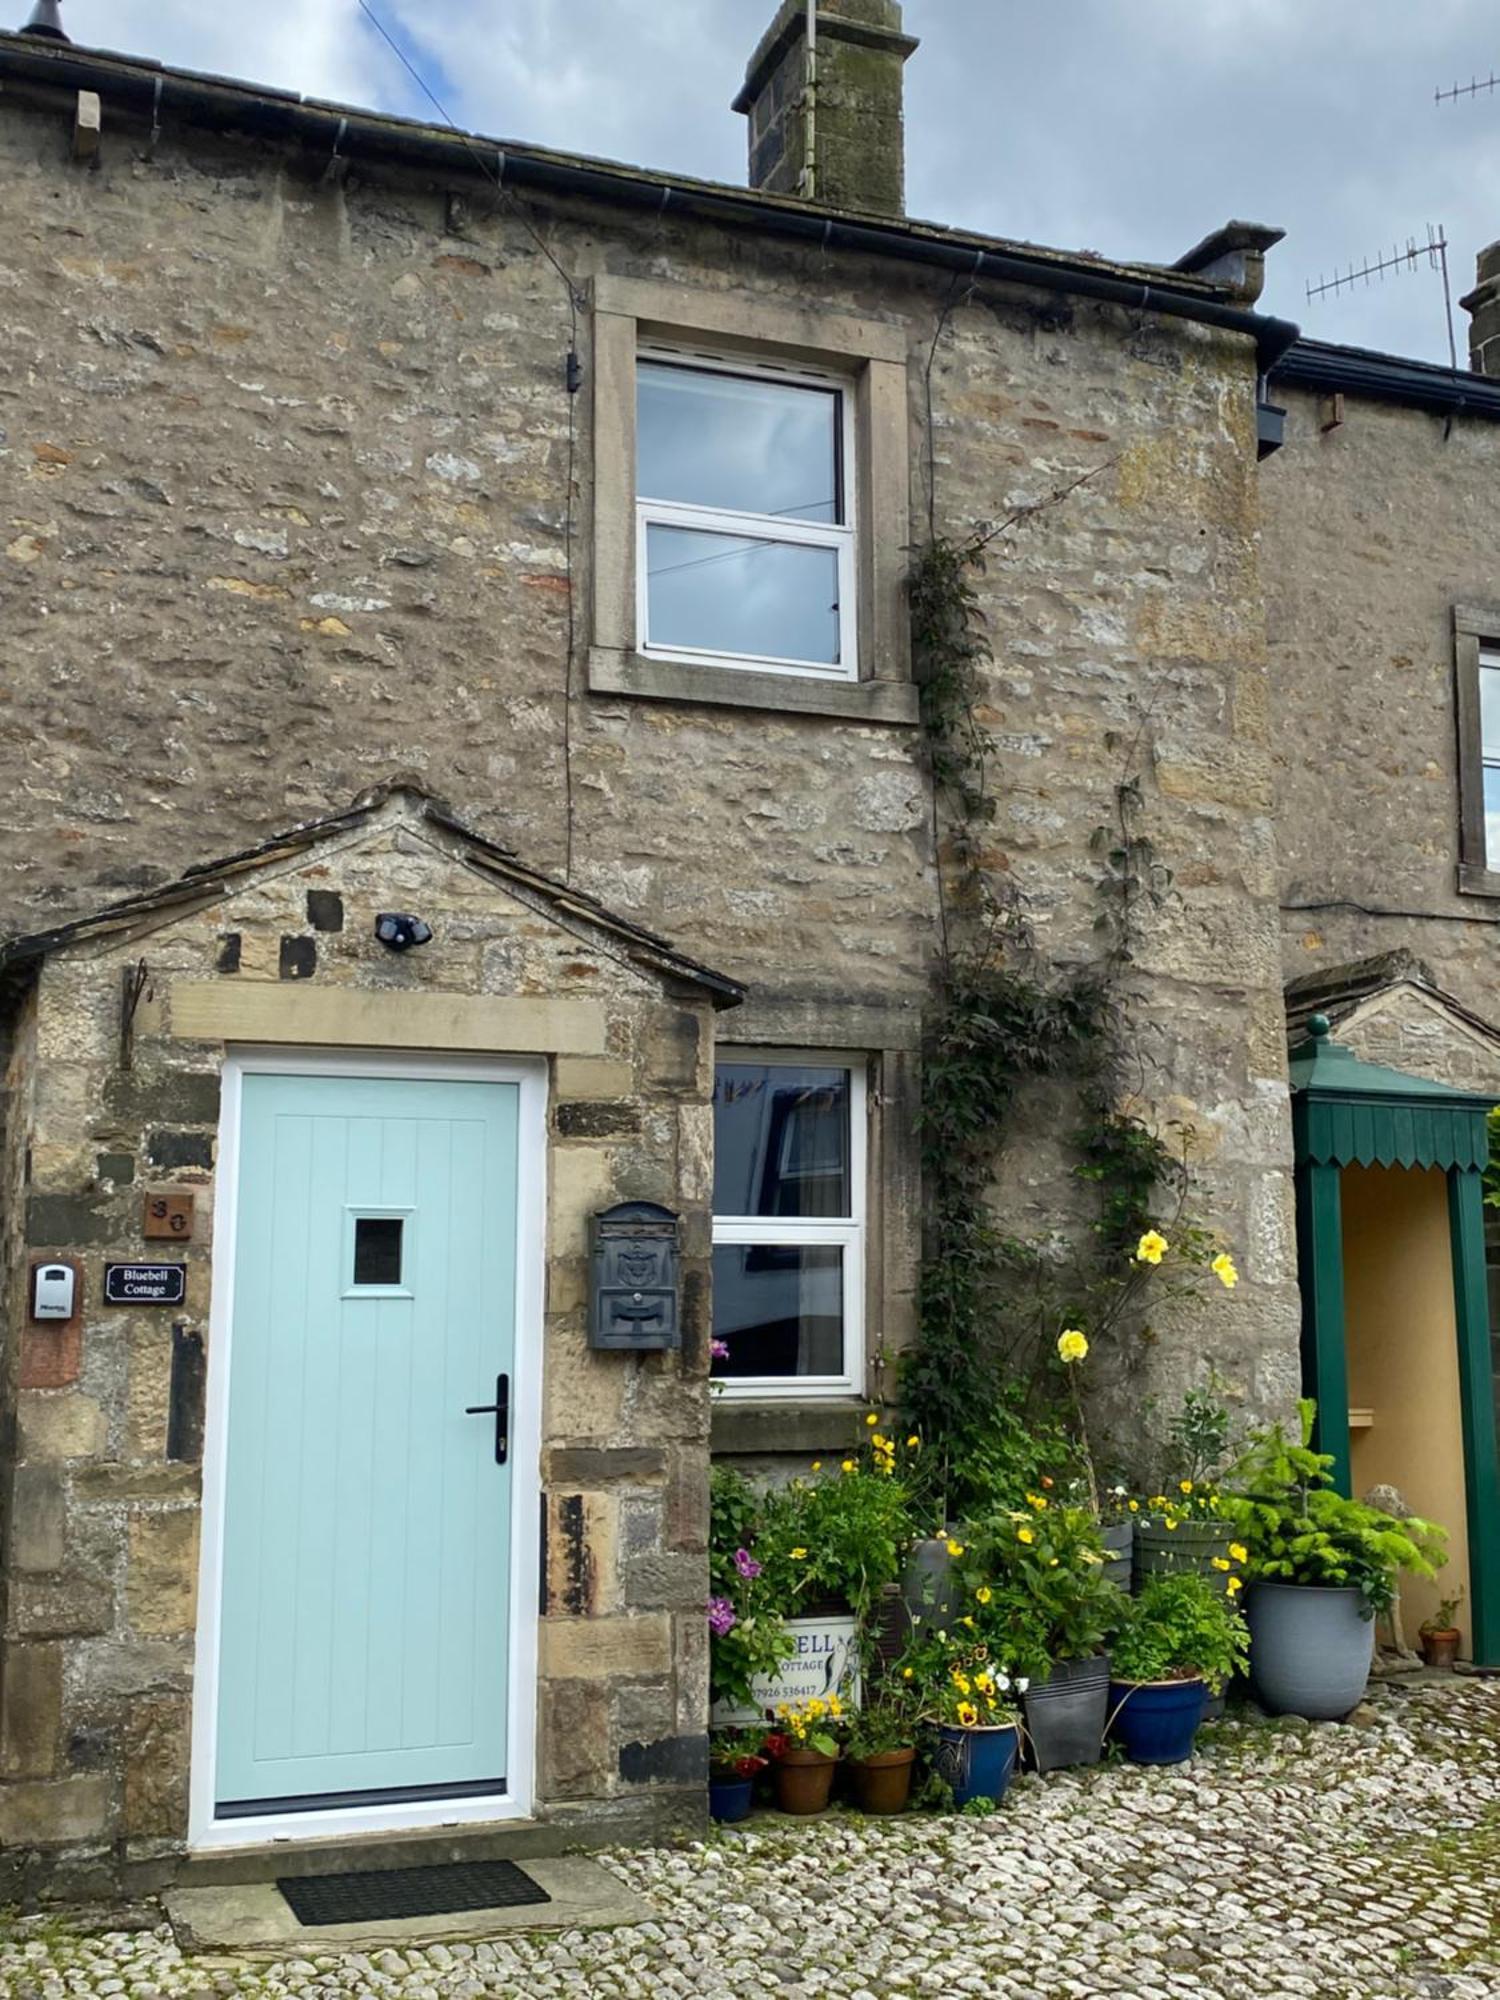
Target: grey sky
[[1130, 127]]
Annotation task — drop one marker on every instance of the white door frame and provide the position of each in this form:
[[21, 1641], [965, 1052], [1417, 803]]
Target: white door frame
[[204, 1831]]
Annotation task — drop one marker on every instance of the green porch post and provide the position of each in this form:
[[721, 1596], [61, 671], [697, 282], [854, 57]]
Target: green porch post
[[1320, 1248], [1476, 1389]]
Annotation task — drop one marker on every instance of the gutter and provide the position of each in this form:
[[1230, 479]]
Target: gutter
[[1390, 378], [228, 106]]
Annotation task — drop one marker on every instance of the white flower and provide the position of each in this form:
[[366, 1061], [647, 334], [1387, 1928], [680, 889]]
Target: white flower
[[1022, 1684], [1002, 1681]]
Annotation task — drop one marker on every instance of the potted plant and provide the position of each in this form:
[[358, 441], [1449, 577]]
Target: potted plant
[[842, 1537], [1181, 1639], [748, 1639], [1037, 1580], [736, 1757], [1185, 1527], [804, 1752], [1438, 1635], [880, 1747], [969, 1699], [1320, 1566]]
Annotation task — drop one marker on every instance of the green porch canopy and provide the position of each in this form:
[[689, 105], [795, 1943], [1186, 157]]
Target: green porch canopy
[[1350, 1113]]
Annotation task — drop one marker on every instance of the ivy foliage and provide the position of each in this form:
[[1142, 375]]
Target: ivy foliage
[[982, 1384]]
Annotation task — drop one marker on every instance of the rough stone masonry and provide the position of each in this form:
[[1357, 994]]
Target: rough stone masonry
[[293, 495]]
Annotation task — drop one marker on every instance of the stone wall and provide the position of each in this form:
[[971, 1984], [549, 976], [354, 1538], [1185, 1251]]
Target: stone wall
[[286, 480], [285, 506], [1375, 530], [102, 1550]]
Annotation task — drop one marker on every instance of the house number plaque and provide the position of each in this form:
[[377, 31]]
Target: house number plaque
[[168, 1215]]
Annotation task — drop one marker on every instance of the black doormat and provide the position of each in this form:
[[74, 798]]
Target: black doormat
[[380, 1894]]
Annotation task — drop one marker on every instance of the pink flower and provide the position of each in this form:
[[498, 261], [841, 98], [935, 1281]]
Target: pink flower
[[719, 1349], [746, 1564], [721, 1618]]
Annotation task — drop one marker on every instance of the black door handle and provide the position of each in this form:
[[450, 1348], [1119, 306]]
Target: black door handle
[[500, 1411]]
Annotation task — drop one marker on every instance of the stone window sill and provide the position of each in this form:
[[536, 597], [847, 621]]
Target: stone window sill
[[1476, 881], [771, 1430], [730, 687]]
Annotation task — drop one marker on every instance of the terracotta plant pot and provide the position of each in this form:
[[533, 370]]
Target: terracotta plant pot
[[1440, 1649], [882, 1783], [804, 1781]]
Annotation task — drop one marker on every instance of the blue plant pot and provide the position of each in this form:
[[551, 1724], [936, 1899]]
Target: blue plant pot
[[1155, 1721], [729, 1799], [977, 1763]]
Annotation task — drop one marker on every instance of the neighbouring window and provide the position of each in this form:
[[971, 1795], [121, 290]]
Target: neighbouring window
[[789, 1223], [1477, 667], [745, 540], [1489, 750]]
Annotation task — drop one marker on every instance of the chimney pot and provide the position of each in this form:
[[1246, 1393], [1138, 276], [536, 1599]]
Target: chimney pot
[[46, 21], [842, 142]]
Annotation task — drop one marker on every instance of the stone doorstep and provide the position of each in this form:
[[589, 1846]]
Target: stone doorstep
[[254, 1918], [423, 1847]]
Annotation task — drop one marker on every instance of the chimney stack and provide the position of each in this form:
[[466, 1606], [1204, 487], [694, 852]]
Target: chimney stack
[[1483, 303], [826, 111]]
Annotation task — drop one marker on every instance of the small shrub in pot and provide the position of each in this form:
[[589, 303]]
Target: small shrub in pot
[[1180, 1641], [1439, 1635], [880, 1746], [1320, 1566]]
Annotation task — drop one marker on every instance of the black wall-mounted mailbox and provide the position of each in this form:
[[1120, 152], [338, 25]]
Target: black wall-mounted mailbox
[[635, 1278]]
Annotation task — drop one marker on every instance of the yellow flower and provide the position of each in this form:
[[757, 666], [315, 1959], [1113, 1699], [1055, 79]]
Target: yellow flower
[[960, 1681], [913, 1442], [968, 1714], [1184, 1486], [1233, 1586], [797, 1555], [1025, 1535], [955, 1548], [1135, 1506], [1169, 1522], [847, 1466], [1223, 1269], [872, 1419], [1151, 1248], [1219, 1562], [1072, 1345], [1240, 1553], [1053, 1563], [906, 1673], [967, 1621], [835, 1706], [984, 1593], [817, 1465]]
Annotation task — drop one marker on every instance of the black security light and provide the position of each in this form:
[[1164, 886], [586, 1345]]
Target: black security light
[[399, 932]]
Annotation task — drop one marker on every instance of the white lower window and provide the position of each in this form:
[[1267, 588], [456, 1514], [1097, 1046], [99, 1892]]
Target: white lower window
[[745, 540], [789, 1226]]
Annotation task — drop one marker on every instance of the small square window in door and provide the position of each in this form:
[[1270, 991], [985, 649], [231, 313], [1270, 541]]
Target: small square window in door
[[378, 1249]]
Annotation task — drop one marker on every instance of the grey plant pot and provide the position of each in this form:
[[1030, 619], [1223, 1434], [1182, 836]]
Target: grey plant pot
[[1191, 1545], [1119, 1548], [1311, 1649], [927, 1583], [1066, 1714]]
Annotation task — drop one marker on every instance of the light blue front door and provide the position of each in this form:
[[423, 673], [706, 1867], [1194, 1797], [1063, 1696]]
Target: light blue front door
[[364, 1641]]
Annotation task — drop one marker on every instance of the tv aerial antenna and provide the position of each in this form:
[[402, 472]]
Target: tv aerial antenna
[[1470, 89], [1433, 253]]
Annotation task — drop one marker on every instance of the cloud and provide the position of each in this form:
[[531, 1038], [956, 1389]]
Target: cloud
[[1086, 124]]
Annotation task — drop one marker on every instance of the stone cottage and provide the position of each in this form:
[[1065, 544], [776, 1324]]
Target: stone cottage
[[470, 893]]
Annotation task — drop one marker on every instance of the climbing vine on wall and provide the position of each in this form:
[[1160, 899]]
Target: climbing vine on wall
[[983, 1382]]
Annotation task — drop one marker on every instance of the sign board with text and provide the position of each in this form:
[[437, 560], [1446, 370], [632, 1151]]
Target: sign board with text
[[826, 1662], [145, 1284]]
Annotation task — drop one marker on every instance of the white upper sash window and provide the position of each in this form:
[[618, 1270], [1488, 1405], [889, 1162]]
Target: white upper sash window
[[745, 536]]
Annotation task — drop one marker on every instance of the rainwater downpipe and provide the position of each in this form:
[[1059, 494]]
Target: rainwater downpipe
[[810, 107]]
